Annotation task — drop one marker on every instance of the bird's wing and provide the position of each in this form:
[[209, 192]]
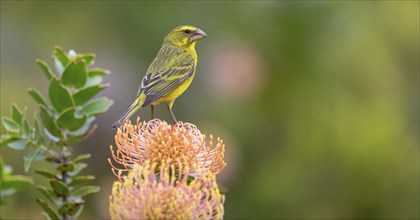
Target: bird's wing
[[156, 85]]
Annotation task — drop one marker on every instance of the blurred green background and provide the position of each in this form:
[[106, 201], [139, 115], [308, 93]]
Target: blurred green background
[[318, 102]]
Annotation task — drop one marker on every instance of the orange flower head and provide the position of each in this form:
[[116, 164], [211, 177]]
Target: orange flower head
[[181, 143]]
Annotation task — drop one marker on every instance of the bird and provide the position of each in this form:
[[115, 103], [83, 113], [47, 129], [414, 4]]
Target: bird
[[169, 74]]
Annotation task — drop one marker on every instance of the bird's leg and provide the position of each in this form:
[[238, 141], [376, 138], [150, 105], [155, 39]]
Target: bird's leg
[[173, 116], [170, 110], [152, 107]]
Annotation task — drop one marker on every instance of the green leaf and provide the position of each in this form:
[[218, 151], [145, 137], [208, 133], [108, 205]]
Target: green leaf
[[60, 97], [51, 136], [16, 182], [84, 95], [77, 214], [59, 67], [45, 173], [94, 80], [2, 169], [8, 138], [86, 190], [85, 129], [81, 180], [10, 124], [75, 74], [28, 159], [77, 169], [47, 193], [18, 145], [70, 208], [26, 129], [96, 107], [87, 57], [37, 135], [98, 72], [48, 209], [36, 95], [49, 124], [46, 69], [16, 114], [81, 157], [61, 56], [68, 120], [59, 188]]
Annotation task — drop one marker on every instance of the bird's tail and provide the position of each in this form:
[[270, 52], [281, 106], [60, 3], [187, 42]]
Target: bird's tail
[[137, 104]]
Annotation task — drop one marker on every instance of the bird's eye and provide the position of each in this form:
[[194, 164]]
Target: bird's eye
[[187, 31]]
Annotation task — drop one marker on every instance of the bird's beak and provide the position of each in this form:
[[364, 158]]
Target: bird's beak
[[199, 34]]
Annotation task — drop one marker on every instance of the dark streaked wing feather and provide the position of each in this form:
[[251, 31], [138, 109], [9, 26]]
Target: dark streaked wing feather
[[168, 71], [164, 86], [144, 82], [158, 65]]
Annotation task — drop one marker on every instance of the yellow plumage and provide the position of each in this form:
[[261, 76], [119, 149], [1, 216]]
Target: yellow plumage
[[170, 73]]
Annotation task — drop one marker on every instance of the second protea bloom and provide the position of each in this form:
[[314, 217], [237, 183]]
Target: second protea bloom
[[181, 143], [166, 193]]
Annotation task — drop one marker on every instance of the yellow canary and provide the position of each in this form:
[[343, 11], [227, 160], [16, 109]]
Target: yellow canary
[[170, 73]]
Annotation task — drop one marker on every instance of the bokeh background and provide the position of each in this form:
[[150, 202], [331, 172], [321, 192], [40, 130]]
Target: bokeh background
[[317, 101]]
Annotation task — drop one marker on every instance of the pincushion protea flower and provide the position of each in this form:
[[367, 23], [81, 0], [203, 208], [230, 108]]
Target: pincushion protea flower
[[156, 141], [139, 195]]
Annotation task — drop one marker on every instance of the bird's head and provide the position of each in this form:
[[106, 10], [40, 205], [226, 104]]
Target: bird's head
[[185, 36]]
